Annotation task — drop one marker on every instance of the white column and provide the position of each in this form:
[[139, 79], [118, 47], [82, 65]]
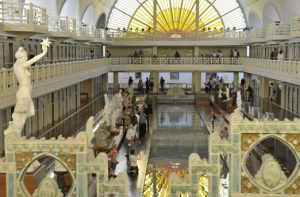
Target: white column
[[286, 100]]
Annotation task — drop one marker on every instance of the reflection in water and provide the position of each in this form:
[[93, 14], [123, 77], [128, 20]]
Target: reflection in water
[[179, 132]]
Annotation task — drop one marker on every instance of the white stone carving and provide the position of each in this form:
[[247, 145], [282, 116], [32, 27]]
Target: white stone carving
[[47, 188], [24, 105], [270, 173]]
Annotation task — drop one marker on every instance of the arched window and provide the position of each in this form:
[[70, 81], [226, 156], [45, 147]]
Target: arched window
[[176, 15]]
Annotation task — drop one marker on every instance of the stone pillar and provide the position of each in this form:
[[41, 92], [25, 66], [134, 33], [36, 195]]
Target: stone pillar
[[247, 77], [286, 100], [105, 81], [116, 81], [295, 97], [197, 81], [264, 88], [154, 76], [236, 81], [282, 95], [290, 96]]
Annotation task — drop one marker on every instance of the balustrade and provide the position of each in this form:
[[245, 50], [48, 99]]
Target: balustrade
[[180, 36], [278, 31], [257, 34], [61, 24], [295, 27], [22, 13], [55, 70]]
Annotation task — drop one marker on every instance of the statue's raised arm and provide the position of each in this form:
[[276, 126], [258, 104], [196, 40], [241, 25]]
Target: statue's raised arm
[[24, 105], [45, 44]]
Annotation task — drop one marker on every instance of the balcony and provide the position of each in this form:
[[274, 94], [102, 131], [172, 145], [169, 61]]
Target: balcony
[[20, 19], [295, 27], [257, 35], [278, 31], [85, 33], [192, 38], [61, 27]]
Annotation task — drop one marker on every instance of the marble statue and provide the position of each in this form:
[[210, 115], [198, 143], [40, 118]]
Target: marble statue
[[90, 136], [118, 99], [270, 173], [227, 93], [48, 188], [107, 109], [24, 106]]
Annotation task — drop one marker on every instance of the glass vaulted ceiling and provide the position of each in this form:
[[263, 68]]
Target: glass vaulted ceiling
[[176, 15]]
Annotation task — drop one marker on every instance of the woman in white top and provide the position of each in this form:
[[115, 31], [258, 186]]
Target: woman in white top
[[280, 56]]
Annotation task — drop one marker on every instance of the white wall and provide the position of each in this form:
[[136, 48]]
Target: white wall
[[88, 16]]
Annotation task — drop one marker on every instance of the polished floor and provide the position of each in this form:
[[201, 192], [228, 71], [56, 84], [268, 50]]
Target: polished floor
[[178, 131]]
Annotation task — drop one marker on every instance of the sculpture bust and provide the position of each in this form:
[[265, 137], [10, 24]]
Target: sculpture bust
[[24, 106]]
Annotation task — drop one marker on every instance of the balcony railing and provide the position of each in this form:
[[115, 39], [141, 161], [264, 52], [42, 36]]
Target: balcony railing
[[23, 13], [174, 61], [181, 36], [295, 27], [62, 24], [52, 71], [278, 31]]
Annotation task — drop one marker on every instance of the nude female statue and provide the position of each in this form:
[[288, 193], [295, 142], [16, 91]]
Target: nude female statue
[[24, 106]]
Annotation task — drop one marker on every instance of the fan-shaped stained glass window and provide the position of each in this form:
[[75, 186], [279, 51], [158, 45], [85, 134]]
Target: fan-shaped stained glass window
[[176, 15]]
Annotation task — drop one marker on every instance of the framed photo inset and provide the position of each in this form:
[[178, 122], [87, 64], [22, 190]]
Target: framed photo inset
[[138, 75], [174, 75]]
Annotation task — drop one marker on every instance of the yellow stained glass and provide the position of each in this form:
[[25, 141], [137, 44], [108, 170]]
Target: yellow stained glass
[[175, 16]]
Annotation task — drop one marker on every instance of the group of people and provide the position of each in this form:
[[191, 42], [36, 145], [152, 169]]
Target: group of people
[[148, 85], [136, 120], [275, 55]]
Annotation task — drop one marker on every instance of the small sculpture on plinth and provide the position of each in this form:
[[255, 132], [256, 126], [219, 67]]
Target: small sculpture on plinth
[[24, 106]]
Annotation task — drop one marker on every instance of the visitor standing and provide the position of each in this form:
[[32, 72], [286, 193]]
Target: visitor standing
[[130, 81], [147, 85], [162, 83], [212, 120], [280, 56]]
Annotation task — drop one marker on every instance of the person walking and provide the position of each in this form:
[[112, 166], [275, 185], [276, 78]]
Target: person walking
[[212, 120]]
